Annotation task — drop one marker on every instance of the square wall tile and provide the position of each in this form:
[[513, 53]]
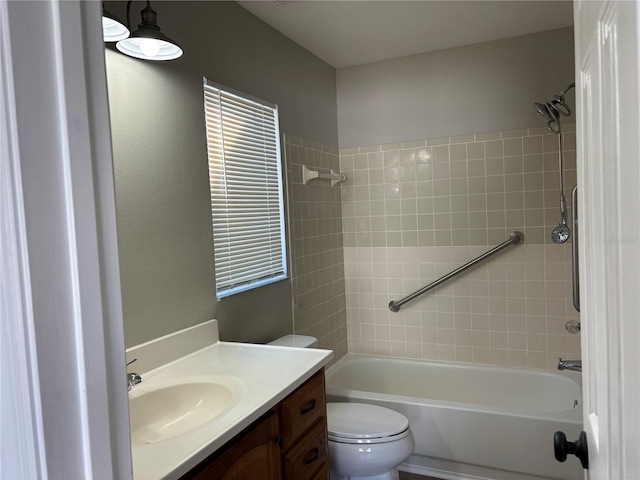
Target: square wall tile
[[429, 206]]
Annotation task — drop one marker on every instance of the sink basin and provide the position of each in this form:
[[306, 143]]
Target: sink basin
[[165, 412]]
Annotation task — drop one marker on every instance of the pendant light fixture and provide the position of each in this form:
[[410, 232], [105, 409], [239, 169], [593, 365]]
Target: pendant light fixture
[[148, 42], [113, 29]]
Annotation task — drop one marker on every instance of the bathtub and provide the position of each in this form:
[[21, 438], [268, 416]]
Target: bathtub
[[469, 421]]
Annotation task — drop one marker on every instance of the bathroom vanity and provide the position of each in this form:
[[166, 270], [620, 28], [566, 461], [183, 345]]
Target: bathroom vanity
[[288, 442], [211, 409]]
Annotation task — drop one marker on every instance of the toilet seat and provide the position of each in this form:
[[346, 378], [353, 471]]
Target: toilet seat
[[365, 423]]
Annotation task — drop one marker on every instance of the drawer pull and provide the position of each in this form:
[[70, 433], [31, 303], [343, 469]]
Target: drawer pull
[[308, 408], [312, 458]]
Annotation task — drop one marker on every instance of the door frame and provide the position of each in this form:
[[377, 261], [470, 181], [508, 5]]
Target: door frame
[[608, 127], [64, 401]]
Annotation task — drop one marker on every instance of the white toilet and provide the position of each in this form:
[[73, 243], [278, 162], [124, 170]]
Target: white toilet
[[366, 442]]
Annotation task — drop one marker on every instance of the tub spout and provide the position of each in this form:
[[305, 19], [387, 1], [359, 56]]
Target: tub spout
[[575, 365]]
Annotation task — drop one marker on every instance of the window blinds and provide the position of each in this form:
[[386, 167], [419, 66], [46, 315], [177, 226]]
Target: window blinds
[[246, 190]]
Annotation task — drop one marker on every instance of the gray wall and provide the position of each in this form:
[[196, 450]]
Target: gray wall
[[484, 87], [162, 189]]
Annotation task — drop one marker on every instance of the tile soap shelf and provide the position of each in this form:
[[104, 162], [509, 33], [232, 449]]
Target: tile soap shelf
[[334, 176]]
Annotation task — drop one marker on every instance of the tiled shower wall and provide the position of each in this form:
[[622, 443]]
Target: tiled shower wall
[[316, 245], [413, 211]]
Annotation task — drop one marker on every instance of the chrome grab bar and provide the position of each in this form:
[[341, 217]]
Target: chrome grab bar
[[575, 266], [515, 238]]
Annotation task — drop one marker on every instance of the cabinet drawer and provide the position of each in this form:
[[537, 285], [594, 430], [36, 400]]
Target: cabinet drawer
[[302, 409], [304, 461]]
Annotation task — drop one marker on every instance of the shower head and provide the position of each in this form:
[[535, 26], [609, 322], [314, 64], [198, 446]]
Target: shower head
[[550, 114], [554, 108], [543, 110], [558, 104]]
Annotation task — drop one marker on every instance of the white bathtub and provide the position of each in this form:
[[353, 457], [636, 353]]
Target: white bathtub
[[469, 421]]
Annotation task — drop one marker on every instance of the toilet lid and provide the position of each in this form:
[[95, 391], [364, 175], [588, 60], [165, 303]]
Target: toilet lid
[[363, 421]]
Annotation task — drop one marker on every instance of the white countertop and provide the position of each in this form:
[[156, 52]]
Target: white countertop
[[265, 375]]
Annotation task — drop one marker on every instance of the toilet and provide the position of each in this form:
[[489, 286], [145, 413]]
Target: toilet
[[366, 442]]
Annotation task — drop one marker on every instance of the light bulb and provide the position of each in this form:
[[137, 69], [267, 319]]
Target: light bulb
[[149, 47]]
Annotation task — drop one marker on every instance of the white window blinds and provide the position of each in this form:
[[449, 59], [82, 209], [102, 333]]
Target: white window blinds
[[246, 190]]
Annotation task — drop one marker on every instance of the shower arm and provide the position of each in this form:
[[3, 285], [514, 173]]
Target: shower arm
[[567, 88]]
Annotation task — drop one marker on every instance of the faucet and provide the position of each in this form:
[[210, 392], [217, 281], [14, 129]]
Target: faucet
[[133, 379], [575, 365]]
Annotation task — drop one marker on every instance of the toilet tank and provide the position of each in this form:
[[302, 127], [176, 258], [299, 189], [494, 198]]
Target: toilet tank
[[291, 340]]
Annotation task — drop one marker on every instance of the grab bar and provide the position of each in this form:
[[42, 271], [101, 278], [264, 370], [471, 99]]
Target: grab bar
[[575, 266], [515, 238]]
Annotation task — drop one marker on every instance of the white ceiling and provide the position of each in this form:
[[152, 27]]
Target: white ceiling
[[348, 33]]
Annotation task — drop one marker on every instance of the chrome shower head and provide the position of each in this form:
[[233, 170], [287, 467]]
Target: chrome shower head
[[554, 108], [550, 114], [543, 110]]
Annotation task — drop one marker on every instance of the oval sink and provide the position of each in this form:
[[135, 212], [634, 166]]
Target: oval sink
[[169, 411]]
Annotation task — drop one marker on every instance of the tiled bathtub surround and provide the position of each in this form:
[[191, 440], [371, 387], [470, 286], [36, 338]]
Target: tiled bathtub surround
[[414, 211], [510, 310], [463, 190], [317, 262]]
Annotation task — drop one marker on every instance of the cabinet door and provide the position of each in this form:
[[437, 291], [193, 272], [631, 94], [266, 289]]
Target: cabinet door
[[255, 454]]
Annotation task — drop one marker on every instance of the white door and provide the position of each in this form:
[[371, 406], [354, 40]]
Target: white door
[[607, 81]]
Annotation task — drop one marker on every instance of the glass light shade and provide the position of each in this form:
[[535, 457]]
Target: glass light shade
[[113, 30], [149, 48]]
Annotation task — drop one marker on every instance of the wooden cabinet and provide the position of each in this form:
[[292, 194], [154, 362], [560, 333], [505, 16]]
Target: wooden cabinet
[[287, 443], [253, 454], [303, 426]]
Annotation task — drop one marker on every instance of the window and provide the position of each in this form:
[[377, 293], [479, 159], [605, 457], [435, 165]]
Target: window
[[245, 175]]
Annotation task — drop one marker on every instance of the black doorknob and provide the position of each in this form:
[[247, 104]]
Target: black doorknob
[[562, 448]]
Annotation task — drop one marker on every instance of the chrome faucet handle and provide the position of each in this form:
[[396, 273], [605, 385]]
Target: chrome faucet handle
[[133, 379]]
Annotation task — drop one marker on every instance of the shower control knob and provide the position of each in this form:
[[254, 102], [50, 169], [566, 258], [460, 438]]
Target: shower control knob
[[562, 448]]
